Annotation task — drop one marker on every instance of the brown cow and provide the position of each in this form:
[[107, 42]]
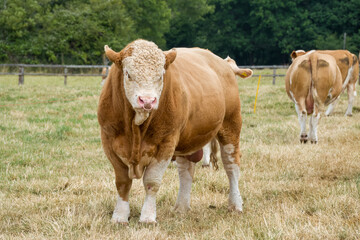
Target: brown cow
[[157, 104], [312, 81], [349, 67]]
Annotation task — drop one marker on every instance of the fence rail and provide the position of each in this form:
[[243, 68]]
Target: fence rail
[[21, 73]]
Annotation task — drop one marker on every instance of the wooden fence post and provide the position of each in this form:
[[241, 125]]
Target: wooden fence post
[[21, 75], [274, 76], [65, 76]]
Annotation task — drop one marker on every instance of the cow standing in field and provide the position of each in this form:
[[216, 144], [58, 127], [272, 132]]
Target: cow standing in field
[[348, 64], [312, 81], [155, 105]]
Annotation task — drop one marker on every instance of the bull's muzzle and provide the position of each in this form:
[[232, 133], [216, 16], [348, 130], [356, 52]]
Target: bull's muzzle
[[147, 103]]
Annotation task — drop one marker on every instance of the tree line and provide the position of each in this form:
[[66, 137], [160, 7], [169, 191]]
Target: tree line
[[251, 32]]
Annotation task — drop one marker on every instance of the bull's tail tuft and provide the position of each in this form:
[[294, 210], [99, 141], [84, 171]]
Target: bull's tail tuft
[[213, 155]]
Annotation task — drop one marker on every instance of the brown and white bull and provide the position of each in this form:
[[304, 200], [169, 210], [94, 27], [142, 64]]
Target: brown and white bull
[[157, 104], [348, 64], [312, 81]]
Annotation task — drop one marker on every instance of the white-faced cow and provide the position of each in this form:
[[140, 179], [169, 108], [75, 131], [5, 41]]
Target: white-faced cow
[[155, 105], [312, 81], [348, 64]]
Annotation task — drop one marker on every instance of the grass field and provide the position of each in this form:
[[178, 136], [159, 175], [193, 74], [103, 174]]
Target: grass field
[[56, 183]]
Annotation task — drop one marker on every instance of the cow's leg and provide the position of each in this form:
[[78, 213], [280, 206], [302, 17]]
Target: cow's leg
[[351, 97], [152, 180], [302, 116], [229, 139], [296, 109], [123, 184], [331, 107], [231, 157], [206, 153], [186, 173], [314, 120]]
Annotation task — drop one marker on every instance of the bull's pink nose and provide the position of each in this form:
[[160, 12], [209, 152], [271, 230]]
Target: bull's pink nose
[[147, 103]]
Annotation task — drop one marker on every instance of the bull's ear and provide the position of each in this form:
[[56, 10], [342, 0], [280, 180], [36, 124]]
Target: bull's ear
[[293, 55], [169, 57], [112, 55], [244, 72]]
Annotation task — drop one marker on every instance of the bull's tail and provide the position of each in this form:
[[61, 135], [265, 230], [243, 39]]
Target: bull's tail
[[309, 102], [213, 155], [241, 72], [315, 64]]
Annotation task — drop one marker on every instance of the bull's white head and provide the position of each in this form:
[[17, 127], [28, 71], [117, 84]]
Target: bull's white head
[[143, 65]]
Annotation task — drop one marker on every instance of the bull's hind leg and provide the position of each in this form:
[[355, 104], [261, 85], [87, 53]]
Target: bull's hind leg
[[206, 157], [186, 173], [331, 107], [351, 96], [302, 116], [229, 139], [314, 120]]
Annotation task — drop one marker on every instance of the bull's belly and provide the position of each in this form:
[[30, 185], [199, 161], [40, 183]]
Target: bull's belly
[[192, 143]]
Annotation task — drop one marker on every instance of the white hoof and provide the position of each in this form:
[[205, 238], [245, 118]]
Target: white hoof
[[181, 208], [147, 220], [119, 219]]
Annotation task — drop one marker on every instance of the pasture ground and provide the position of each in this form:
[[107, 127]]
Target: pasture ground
[[56, 183]]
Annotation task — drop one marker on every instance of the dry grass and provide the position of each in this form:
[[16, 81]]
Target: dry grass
[[56, 183]]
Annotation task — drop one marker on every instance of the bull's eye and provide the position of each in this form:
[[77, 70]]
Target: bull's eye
[[127, 76]]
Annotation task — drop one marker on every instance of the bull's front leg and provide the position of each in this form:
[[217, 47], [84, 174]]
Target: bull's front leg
[[152, 180], [123, 185]]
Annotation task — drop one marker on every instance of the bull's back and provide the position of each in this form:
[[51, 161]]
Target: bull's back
[[298, 78], [344, 60]]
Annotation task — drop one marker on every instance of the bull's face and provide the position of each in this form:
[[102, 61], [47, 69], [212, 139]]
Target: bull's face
[[143, 75], [143, 65]]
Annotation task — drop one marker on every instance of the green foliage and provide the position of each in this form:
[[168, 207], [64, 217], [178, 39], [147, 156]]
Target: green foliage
[[251, 32]]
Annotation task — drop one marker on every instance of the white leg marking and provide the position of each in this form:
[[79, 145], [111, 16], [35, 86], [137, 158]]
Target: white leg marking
[[206, 152], [351, 96], [302, 121], [152, 180], [314, 120], [121, 212], [348, 76], [233, 173], [297, 109], [332, 106], [186, 172], [229, 149]]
